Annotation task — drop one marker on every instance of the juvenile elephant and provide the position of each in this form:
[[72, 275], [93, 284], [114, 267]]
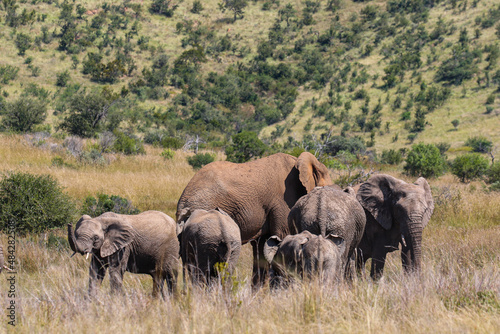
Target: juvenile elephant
[[144, 244], [328, 210], [304, 255], [396, 213], [257, 195], [207, 238]]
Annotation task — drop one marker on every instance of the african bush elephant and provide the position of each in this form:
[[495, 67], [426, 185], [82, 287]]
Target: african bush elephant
[[396, 213], [207, 238], [327, 210], [144, 244], [304, 254], [258, 196]]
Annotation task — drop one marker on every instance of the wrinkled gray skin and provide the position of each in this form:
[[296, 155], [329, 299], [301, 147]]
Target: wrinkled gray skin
[[396, 213], [304, 255], [208, 237], [327, 210], [144, 244], [257, 195]]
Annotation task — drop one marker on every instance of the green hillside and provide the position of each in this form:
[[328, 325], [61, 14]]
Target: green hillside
[[390, 72]]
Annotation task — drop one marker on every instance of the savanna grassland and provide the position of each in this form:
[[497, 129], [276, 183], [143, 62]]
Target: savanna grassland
[[457, 291]]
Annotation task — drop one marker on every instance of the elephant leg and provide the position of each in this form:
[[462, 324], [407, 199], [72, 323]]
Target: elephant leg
[[260, 265], [170, 277], [117, 267], [158, 278], [97, 271], [349, 267], [378, 262]]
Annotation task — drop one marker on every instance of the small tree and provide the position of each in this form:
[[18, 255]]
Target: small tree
[[469, 166], [425, 160], [23, 43], [245, 146], [391, 157], [197, 7], [479, 144], [24, 113], [34, 203], [455, 123], [235, 6], [199, 160], [96, 206], [163, 7]]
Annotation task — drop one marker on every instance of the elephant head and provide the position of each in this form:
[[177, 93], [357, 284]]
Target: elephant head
[[401, 207], [105, 234], [305, 253]]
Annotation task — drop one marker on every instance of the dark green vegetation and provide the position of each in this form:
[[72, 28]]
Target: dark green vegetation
[[254, 78], [96, 206], [33, 203]]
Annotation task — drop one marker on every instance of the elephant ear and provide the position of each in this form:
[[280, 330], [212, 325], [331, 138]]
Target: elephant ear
[[271, 247], [338, 241], [118, 233], [312, 173], [421, 182], [350, 191], [375, 195]]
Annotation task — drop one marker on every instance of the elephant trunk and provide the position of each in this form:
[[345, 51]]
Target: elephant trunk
[[72, 239], [414, 246]]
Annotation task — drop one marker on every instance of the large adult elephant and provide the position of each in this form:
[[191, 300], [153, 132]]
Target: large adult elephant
[[396, 213], [258, 196]]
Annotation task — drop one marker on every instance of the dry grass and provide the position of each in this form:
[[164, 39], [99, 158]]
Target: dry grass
[[458, 290]]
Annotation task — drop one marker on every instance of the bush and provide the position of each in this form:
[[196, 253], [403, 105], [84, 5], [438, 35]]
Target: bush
[[479, 144], [96, 206], [199, 160], [62, 78], [24, 113], [163, 7], [493, 174], [168, 154], [246, 145], [469, 166], [33, 203], [425, 160], [391, 157], [338, 143], [126, 144]]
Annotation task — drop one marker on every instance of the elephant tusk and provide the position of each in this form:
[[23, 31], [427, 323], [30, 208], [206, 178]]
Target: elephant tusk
[[87, 256], [72, 255], [403, 240]]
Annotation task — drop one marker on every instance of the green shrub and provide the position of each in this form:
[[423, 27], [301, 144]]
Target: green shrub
[[246, 145], [24, 113], [34, 203], [96, 206], [469, 166], [443, 147], [493, 174], [163, 7], [391, 157], [127, 144], [352, 145], [168, 154], [199, 160], [425, 160], [62, 78], [479, 144]]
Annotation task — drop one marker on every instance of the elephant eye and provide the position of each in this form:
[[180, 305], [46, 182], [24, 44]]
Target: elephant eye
[[95, 238]]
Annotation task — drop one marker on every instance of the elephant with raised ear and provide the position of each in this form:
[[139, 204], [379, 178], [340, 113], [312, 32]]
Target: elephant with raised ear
[[144, 244], [209, 238], [396, 213], [328, 210], [304, 255], [257, 195]]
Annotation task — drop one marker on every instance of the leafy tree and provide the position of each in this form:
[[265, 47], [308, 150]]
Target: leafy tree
[[197, 7], [479, 144], [337, 144], [35, 203], [455, 123], [24, 113], [163, 7], [127, 144], [287, 13], [23, 43], [459, 67], [425, 160], [62, 78], [420, 122], [469, 166], [391, 157], [199, 160], [493, 174], [89, 113], [96, 206], [235, 6], [246, 145]]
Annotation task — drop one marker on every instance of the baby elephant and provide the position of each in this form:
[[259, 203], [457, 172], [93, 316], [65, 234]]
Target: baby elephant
[[208, 238], [304, 254], [143, 244]]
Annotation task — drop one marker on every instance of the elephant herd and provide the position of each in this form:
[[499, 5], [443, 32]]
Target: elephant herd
[[296, 220]]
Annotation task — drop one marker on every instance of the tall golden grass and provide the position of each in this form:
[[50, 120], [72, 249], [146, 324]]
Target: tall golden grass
[[458, 289]]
